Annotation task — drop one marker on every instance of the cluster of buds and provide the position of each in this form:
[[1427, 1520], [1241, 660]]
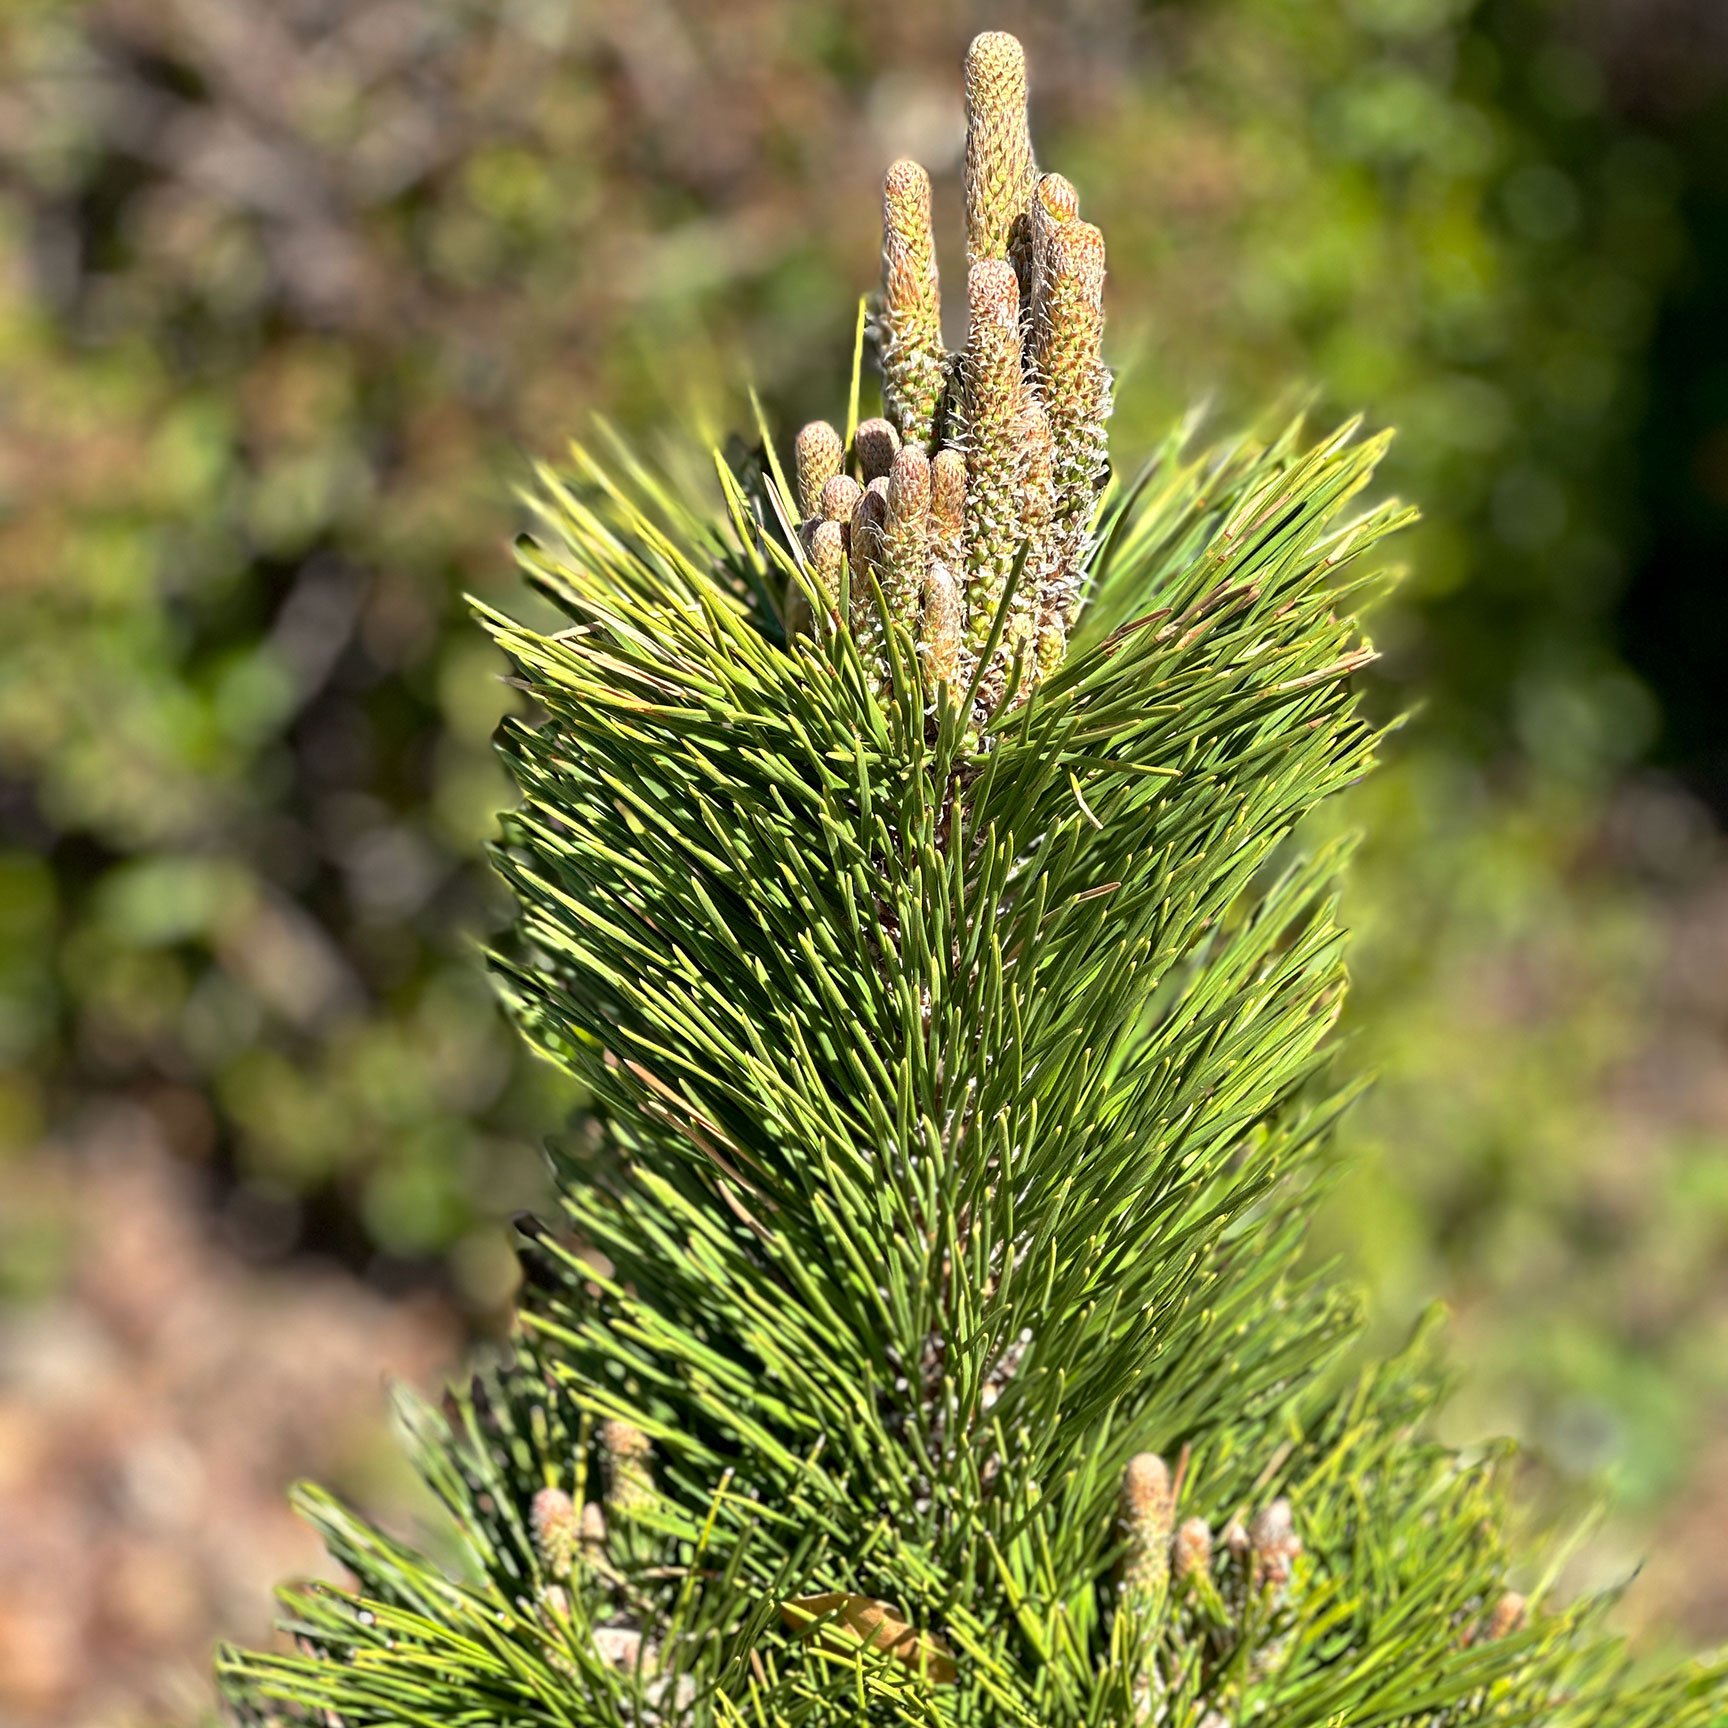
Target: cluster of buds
[[964, 515], [1216, 1613], [1148, 1516], [588, 1545], [1199, 1598], [627, 1458], [565, 1534]]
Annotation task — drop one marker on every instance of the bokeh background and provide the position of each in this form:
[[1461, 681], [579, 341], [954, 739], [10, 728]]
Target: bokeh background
[[290, 293]]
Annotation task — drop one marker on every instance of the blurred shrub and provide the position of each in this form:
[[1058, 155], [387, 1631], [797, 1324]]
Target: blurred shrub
[[286, 291], [290, 289], [1429, 209], [1546, 1144]]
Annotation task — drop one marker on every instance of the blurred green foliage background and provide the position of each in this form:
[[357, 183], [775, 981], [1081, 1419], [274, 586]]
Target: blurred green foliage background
[[291, 290]]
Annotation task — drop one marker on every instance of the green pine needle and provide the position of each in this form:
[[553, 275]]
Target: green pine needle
[[965, 1105]]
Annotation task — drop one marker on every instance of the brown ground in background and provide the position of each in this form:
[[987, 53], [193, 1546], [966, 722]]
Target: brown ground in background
[[151, 1418]]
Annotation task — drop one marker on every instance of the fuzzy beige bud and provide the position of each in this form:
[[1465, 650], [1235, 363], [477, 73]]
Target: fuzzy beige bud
[[864, 546], [556, 1525], [627, 1456], [993, 394], [839, 498], [1148, 1511], [1274, 1544], [943, 624], [1068, 336], [1038, 525], [876, 441], [593, 1532], [1507, 1616], [906, 535], [1191, 1550], [819, 453], [827, 553], [909, 330], [1054, 203], [1235, 1540], [948, 507], [999, 174], [1057, 198], [1068, 331]]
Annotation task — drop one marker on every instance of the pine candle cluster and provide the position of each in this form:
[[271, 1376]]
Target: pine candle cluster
[[964, 516]]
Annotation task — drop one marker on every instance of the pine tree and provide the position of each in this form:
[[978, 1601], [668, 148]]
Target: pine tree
[[911, 865]]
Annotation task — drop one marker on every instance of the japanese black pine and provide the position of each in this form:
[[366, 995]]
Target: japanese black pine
[[910, 853]]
